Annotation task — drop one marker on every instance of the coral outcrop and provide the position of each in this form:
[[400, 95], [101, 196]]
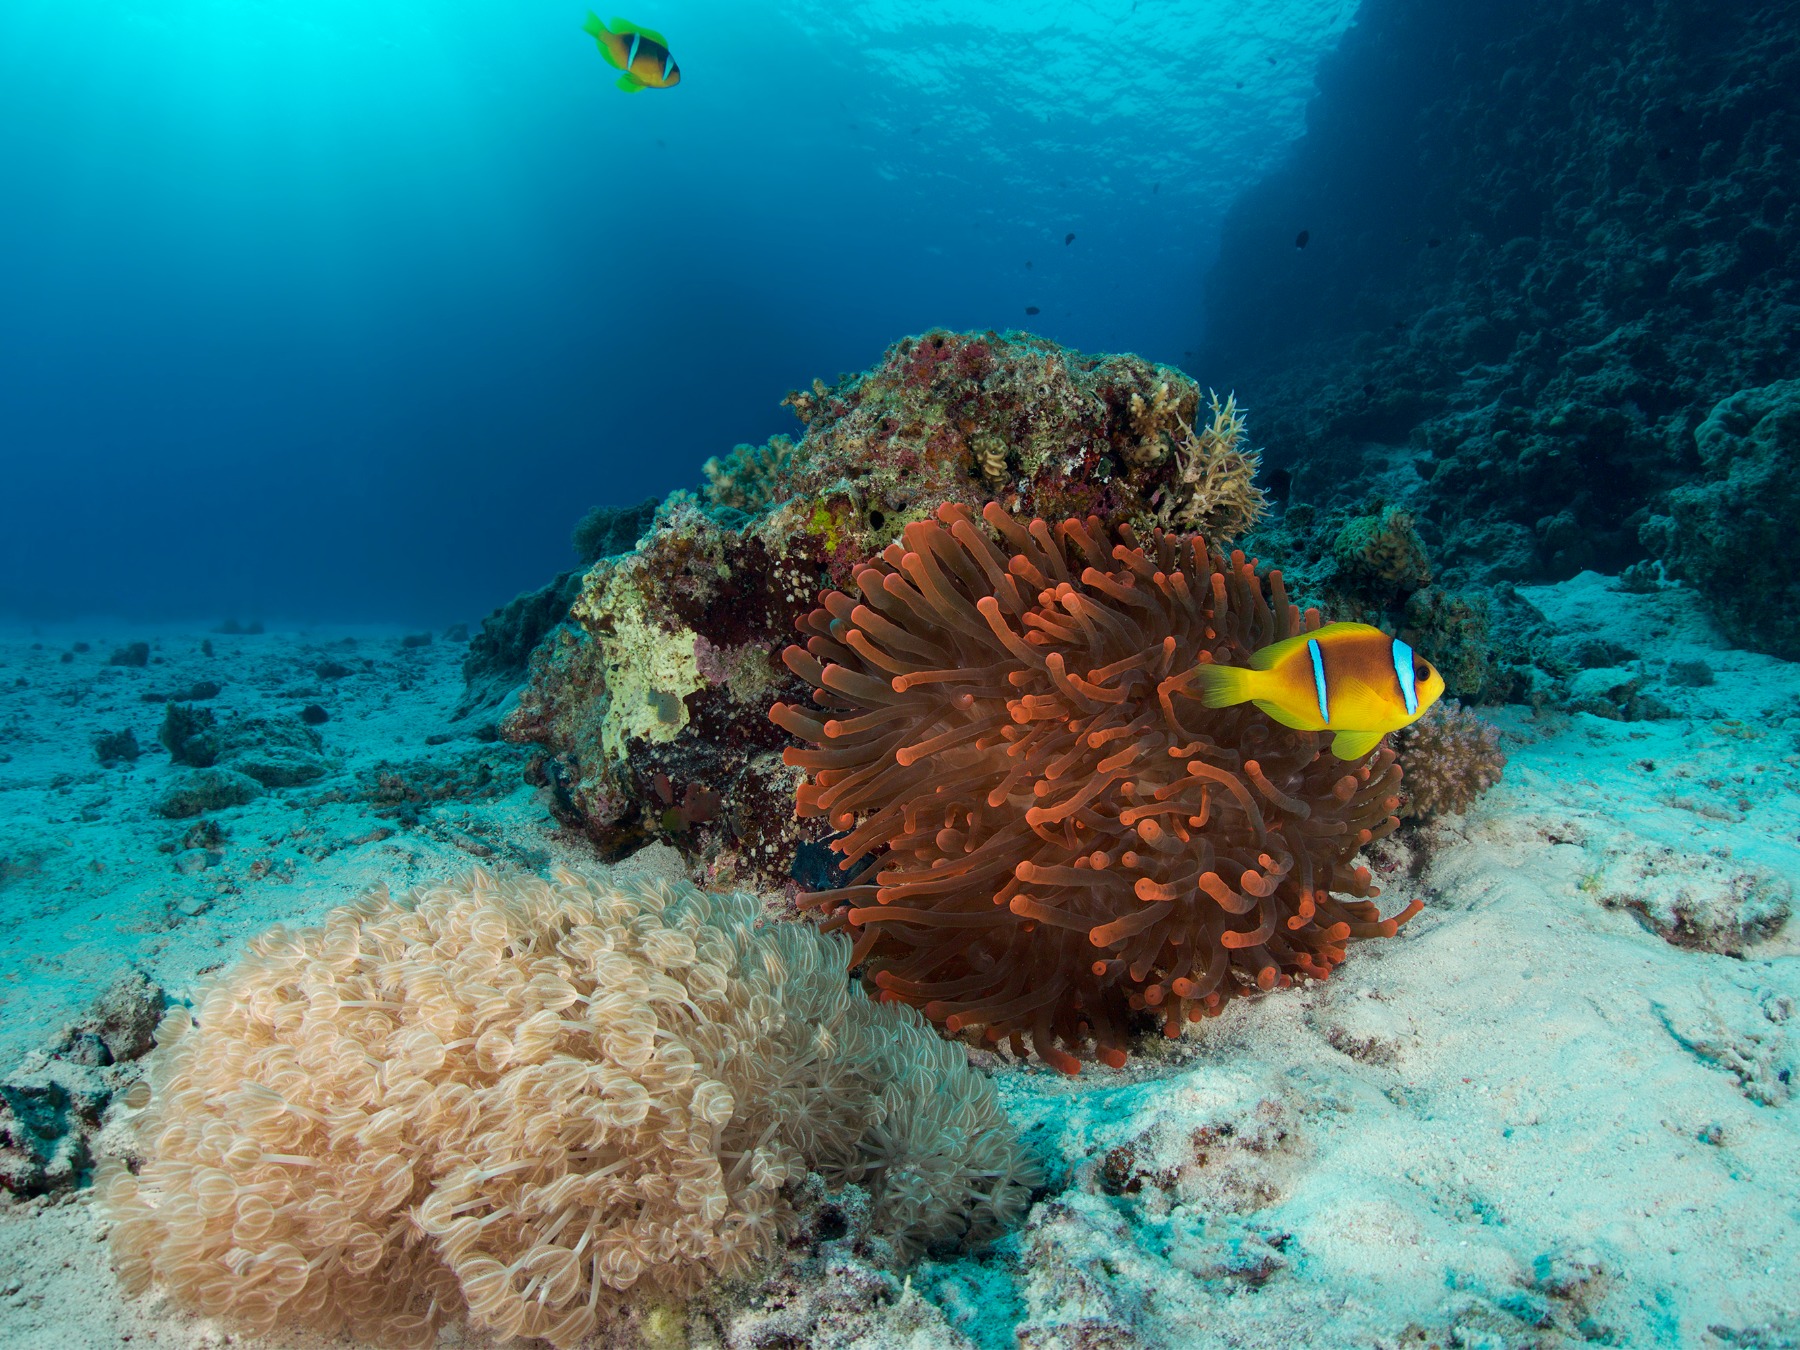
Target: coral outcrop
[[1044, 832], [53, 1104], [659, 682], [500, 653], [606, 531], [968, 417], [523, 1103], [1383, 552]]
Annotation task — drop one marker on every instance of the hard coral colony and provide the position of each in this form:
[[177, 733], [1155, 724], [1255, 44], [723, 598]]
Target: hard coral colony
[[1048, 833]]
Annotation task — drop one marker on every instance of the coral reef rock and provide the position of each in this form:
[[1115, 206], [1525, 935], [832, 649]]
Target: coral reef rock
[[660, 679], [500, 653], [52, 1104], [1732, 533], [1694, 900], [201, 790], [609, 530]]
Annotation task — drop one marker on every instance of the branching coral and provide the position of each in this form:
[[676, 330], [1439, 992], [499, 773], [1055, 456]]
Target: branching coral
[[1451, 756], [1217, 471], [1046, 831], [751, 477], [1159, 422], [523, 1101]]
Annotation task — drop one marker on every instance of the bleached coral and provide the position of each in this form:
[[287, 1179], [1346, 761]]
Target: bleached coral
[[523, 1101]]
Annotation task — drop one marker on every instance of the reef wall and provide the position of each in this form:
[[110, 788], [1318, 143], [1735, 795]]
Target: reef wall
[[1540, 246]]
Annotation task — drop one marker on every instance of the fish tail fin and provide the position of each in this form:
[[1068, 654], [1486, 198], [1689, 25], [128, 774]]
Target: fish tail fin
[[1225, 686], [593, 27], [630, 83]]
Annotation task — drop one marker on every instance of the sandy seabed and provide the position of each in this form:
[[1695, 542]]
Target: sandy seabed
[[1547, 1114]]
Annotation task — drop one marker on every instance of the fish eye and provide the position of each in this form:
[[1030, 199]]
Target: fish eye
[[1421, 669]]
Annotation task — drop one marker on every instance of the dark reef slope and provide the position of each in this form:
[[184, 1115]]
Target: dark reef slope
[[1546, 243]]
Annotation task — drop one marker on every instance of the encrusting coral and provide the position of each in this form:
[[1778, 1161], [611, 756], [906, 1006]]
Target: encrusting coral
[[1451, 757], [1045, 830], [524, 1101]]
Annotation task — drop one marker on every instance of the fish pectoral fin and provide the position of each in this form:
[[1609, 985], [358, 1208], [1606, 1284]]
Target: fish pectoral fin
[[630, 83], [626, 26], [1355, 744]]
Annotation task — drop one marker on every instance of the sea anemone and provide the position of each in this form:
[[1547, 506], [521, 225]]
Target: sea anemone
[[1048, 835]]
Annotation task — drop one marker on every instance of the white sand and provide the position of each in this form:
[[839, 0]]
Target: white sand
[[1530, 1121]]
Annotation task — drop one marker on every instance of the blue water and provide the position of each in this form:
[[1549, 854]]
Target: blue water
[[348, 310]]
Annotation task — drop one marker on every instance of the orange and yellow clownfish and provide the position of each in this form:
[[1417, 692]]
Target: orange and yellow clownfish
[[1347, 678], [642, 53]]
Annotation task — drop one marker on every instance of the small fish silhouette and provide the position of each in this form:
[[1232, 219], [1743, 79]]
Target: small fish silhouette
[[1031, 309], [1301, 238], [1068, 239]]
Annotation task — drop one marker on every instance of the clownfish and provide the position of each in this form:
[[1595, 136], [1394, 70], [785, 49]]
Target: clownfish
[[642, 53], [1345, 677]]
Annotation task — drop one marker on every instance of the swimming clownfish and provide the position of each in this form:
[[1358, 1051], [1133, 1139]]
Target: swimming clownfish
[[1345, 677], [642, 53]]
